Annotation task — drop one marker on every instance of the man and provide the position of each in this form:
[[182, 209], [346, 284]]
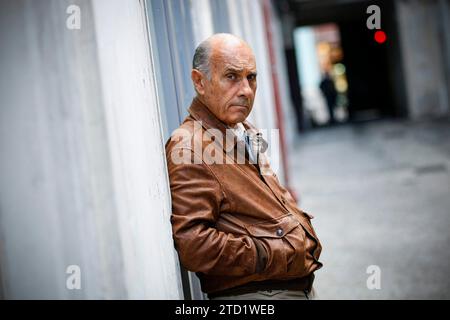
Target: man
[[330, 94], [233, 222]]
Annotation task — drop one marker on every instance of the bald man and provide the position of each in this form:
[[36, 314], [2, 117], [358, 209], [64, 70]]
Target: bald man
[[233, 223]]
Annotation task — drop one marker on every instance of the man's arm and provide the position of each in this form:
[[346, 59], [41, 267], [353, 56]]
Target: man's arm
[[196, 199]]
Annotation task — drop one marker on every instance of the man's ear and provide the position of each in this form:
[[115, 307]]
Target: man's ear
[[199, 81]]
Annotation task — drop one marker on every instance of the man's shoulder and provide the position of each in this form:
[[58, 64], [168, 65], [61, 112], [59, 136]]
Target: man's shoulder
[[185, 135]]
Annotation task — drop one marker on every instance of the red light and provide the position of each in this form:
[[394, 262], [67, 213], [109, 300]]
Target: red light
[[380, 36]]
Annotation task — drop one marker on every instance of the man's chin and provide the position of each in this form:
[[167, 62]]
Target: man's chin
[[236, 118], [238, 108]]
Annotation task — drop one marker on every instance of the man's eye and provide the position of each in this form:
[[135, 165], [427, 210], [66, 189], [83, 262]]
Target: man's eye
[[231, 76], [251, 77]]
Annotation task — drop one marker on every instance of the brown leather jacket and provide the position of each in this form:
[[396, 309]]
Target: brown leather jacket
[[232, 225]]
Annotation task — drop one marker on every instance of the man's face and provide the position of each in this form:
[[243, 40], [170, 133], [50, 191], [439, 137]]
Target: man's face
[[230, 92]]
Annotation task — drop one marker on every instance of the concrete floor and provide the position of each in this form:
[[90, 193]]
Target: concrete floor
[[380, 194]]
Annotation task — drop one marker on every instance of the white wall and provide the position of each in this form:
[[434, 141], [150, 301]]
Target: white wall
[[423, 51], [247, 21], [82, 157], [201, 20], [290, 126], [309, 74]]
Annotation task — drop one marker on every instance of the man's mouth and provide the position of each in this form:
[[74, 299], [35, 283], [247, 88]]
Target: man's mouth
[[240, 106]]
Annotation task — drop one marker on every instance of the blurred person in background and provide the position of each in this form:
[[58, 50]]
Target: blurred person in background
[[329, 92]]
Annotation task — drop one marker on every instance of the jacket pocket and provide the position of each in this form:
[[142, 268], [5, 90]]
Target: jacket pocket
[[284, 241]]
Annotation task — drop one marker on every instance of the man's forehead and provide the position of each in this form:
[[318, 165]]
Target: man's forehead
[[238, 67], [238, 59]]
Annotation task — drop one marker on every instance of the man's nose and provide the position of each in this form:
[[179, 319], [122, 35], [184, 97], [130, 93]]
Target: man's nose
[[245, 90]]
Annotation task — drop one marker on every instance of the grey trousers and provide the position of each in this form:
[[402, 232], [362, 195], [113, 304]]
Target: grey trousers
[[272, 295]]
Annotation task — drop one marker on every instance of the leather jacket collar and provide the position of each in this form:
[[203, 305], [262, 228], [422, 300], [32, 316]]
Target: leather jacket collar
[[200, 112]]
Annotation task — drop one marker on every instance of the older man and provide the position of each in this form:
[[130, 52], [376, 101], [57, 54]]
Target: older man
[[233, 222]]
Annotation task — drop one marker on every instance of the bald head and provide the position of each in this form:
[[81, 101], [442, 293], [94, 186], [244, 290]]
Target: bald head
[[224, 77], [215, 44]]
